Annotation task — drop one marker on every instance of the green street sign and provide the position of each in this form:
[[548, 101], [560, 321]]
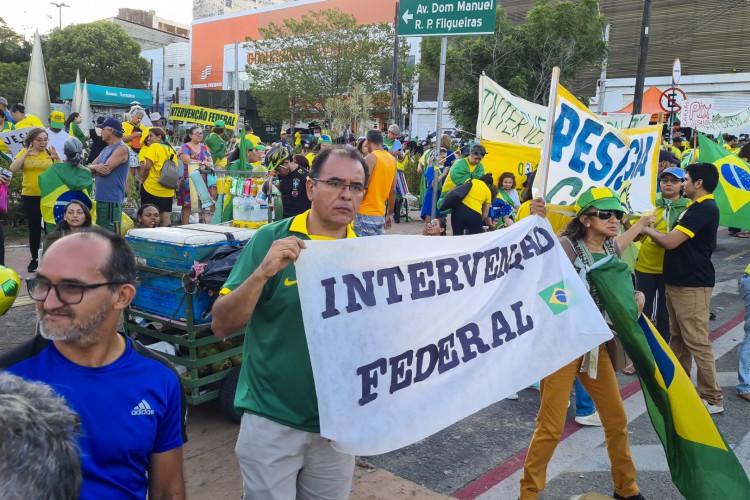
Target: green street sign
[[446, 17]]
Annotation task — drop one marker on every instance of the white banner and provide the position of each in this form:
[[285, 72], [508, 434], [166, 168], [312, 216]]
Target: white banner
[[729, 122], [507, 118], [14, 139], [697, 113], [625, 120], [409, 334], [587, 153]]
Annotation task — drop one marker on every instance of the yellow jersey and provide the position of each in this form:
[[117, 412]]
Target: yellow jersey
[[479, 194], [381, 181], [158, 154], [30, 121], [33, 166]]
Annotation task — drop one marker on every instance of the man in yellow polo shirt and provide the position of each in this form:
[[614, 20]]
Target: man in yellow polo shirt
[[372, 219], [280, 449]]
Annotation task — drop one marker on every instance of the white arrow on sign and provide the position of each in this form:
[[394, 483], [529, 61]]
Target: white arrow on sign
[[407, 17]]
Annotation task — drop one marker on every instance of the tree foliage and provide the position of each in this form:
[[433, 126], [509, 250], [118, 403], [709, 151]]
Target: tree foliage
[[15, 53], [519, 58], [13, 49], [103, 52], [345, 111], [302, 63], [13, 81]]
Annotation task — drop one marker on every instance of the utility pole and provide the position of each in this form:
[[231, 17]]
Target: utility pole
[[157, 97], [640, 74], [59, 8], [603, 76], [236, 78], [394, 82]]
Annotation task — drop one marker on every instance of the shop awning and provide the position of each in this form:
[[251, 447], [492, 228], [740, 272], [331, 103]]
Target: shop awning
[[651, 99], [100, 95]]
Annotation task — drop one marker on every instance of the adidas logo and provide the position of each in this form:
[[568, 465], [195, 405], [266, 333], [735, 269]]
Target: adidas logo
[[142, 408]]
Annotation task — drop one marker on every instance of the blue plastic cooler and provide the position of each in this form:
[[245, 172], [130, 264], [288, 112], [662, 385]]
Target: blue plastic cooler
[[173, 251]]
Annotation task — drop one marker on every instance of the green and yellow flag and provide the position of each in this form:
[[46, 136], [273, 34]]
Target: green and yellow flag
[[60, 184], [701, 463], [733, 193]]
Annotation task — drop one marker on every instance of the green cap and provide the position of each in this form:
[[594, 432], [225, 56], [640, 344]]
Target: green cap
[[599, 197], [219, 124]]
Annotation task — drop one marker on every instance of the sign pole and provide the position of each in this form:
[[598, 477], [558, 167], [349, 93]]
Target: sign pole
[[439, 125], [236, 80], [676, 75], [543, 170]]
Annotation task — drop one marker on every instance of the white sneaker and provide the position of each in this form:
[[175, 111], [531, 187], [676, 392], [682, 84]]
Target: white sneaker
[[513, 397], [712, 409], [592, 420]]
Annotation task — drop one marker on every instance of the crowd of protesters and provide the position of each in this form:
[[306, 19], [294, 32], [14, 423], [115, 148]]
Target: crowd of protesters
[[337, 191]]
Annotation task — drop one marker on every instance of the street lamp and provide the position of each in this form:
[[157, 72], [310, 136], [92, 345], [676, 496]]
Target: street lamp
[[59, 8]]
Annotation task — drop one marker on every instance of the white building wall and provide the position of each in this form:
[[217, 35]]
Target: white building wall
[[156, 57], [177, 71], [424, 114], [211, 8]]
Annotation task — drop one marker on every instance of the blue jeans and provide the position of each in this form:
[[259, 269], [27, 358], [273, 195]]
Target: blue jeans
[[743, 368], [584, 404]]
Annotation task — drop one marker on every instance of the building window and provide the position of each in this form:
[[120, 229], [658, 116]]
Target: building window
[[171, 84], [228, 4], [182, 83]]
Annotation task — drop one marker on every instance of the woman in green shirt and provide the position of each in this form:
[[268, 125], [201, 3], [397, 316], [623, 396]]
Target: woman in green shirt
[[72, 127]]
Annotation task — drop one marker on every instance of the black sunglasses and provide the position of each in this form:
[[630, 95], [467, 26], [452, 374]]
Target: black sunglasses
[[607, 214]]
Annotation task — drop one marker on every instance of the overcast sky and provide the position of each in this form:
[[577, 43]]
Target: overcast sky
[[26, 16]]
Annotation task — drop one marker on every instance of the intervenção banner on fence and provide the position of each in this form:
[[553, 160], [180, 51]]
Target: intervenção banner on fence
[[587, 153], [405, 333], [204, 116]]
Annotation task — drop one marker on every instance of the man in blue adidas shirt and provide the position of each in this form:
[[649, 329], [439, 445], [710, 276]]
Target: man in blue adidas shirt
[[129, 399]]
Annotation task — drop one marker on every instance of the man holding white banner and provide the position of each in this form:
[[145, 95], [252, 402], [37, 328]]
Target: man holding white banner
[[389, 371], [281, 452]]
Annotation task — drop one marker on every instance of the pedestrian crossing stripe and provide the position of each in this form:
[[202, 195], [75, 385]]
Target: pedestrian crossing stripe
[[23, 301]]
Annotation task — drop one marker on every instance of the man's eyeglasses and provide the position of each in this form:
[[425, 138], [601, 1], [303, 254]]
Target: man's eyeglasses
[[69, 294], [607, 214], [355, 188]]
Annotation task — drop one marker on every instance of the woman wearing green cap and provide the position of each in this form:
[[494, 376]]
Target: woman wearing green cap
[[591, 236]]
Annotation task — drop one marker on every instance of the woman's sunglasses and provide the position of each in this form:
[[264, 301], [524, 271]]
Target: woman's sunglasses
[[607, 214]]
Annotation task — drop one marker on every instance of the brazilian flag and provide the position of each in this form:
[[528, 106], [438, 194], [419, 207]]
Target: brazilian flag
[[60, 184], [700, 461], [733, 193]]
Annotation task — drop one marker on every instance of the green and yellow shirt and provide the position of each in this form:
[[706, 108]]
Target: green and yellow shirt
[[276, 379]]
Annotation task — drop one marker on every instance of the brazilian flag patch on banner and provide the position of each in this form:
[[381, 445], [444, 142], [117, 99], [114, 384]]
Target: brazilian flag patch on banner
[[556, 297]]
